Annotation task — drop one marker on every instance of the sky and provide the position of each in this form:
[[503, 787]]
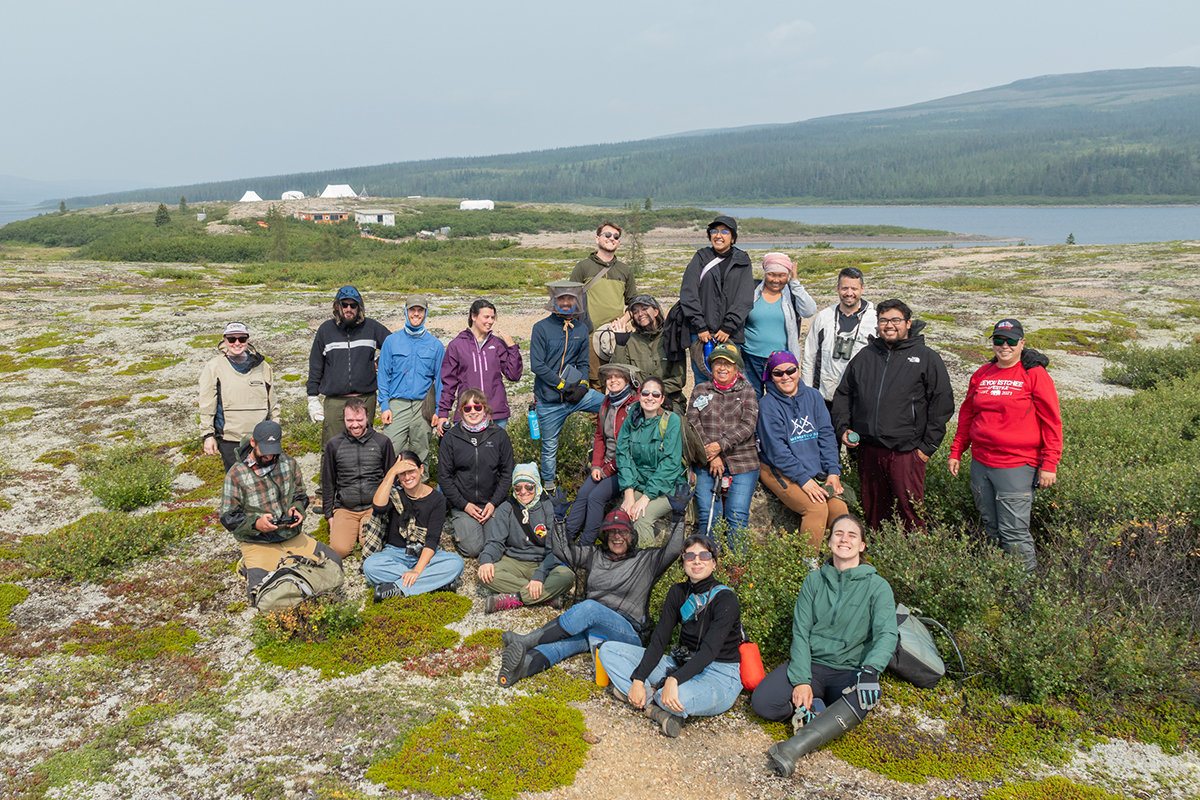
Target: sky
[[160, 93]]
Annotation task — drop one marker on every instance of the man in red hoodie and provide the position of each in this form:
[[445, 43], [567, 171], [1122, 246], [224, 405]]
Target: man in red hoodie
[[480, 358]]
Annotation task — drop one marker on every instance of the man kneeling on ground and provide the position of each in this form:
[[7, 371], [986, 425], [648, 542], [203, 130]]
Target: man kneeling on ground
[[262, 505]]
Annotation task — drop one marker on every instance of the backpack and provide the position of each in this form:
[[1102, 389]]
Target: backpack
[[296, 579], [693, 445], [916, 659]]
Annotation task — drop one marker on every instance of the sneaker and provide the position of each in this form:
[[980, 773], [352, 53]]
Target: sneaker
[[617, 694], [501, 602], [316, 510], [385, 590], [558, 603], [452, 586]]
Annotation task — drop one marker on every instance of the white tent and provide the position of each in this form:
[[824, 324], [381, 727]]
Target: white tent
[[477, 205], [340, 190], [292, 196], [250, 197]]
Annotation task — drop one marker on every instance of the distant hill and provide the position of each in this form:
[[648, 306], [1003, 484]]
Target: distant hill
[[1125, 136]]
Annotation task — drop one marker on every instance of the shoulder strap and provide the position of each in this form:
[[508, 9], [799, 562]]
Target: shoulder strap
[[708, 268], [595, 278]]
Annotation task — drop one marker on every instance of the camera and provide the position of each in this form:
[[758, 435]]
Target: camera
[[843, 347], [284, 522]]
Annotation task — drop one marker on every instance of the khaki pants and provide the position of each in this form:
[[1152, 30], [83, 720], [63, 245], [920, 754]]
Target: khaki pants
[[408, 430], [345, 528], [815, 518], [512, 576], [658, 508]]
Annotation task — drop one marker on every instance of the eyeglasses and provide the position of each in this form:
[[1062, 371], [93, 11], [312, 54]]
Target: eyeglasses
[[349, 304], [238, 339], [472, 407], [611, 235], [618, 533], [719, 232], [781, 373], [648, 393], [891, 322], [1000, 341], [523, 487], [705, 556]]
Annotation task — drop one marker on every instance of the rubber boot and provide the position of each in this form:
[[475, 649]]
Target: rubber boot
[[823, 729], [670, 725], [516, 648]]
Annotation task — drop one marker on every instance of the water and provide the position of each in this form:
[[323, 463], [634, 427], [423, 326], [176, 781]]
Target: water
[[1033, 225], [11, 212]]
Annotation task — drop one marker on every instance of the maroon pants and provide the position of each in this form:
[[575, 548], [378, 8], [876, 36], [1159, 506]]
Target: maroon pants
[[893, 483]]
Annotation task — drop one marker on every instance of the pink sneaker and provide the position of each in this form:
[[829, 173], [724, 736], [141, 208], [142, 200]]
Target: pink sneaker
[[501, 602]]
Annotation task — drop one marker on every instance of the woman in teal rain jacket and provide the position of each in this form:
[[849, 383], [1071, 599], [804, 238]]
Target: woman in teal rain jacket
[[649, 460]]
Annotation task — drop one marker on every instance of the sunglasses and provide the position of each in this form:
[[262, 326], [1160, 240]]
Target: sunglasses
[[524, 487], [472, 407], [780, 373], [648, 393], [238, 339], [349, 304], [617, 532], [611, 235], [1004, 340], [689, 557]]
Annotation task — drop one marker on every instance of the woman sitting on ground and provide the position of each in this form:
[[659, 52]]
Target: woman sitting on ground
[[619, 580], [400, 543], [700, 677], [649, 459], [843, 635], [797, 445], [475, 467], [587, 512], [724, 411], [517, 566]]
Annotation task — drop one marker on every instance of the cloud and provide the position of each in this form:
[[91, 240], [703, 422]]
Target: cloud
[[891, 62], [1189, 57], [790, 34]]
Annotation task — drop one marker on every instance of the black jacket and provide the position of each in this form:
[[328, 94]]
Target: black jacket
[[342, 359], [475, 467], [352, 469], [722, 301], [899, 399]]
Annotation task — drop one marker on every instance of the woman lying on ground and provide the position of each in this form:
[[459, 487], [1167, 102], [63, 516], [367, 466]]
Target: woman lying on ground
[[843, 635], [649, 459], [796, 444], [517, 567], [475, 466], [619, 580], [587, 512], [700, 677], [400, 543]]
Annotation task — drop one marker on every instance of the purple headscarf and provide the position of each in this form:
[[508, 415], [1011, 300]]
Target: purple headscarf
[[777, 358]]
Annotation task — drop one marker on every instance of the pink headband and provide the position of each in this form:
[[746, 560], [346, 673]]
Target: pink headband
[[779, 262]]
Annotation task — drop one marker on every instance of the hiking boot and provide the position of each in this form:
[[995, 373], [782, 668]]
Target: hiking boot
[[617, 694], [670, 725], [452, 586], [385, 590], [501, 602], [514, 666], [557, 603]]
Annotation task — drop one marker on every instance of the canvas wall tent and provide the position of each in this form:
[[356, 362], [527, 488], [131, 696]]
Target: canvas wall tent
[[292, 196], [250, 197], [477, 205], [338, 190]]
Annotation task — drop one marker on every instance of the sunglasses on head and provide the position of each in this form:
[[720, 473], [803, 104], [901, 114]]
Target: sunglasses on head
[[1004, 340], [349, 304], [524, 487], [705, 556], [472, 407], [239, 339], [611, 235], [650, 393], [779, 373]]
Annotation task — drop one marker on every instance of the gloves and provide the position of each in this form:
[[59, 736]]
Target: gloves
[[869, 692], [316, 411], [573, 394]]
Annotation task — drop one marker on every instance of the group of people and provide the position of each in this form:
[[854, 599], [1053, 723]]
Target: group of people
[[772, 403]]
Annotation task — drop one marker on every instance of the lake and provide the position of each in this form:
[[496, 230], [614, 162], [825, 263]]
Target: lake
[[1030, 224]]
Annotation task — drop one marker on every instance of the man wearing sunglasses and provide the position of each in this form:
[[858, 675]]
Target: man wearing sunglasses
[[608, 285], [895, 395], [236, 393]]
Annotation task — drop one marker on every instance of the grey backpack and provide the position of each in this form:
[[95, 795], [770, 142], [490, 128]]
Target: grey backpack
[[916, 659]]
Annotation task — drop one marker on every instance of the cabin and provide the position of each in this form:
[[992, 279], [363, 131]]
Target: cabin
[[324, 217], [375, 216]]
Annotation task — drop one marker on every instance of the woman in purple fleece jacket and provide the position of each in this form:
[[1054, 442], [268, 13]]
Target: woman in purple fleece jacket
[[480, 358]]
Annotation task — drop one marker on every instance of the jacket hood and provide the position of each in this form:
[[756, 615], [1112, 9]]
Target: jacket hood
[[862, 572], [1030, 358], [359, 319], [633, 545]]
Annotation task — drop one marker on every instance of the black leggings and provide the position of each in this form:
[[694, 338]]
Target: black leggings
[[772, 698]]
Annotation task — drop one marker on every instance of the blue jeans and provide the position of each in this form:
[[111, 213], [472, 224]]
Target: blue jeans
[[551, 418], [390, 564], [502, 424], [754, 372], [587, 512], [735, 508], [712, 692], [584, 621]]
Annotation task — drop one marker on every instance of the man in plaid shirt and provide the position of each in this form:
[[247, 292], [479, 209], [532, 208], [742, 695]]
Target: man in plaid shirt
[[262, 505]]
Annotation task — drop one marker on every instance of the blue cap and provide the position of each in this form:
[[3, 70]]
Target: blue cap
[[349, 293]]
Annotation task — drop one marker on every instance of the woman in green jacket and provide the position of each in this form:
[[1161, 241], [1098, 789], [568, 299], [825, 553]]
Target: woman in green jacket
[[649, 460], [843, 635]]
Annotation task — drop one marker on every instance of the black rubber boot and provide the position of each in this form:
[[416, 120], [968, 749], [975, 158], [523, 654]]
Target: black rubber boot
[[823, 729], [670, 725], [516, 648]]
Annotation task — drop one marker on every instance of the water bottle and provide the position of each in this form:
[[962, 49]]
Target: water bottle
[[535, 430], [708, 348], [852, 437]]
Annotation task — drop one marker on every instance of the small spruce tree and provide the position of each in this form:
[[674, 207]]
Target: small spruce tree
[[182, 205], [648, 206], [1071, 238], [162, 216], [62, 206]]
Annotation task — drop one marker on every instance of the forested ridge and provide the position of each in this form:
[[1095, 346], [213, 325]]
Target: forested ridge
[[1078, 138]]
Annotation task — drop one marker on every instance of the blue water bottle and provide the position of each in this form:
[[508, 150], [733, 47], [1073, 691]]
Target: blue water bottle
[[535, 430], [708, 348]]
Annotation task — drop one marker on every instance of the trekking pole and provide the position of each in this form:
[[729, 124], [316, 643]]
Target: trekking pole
[[712, 507]]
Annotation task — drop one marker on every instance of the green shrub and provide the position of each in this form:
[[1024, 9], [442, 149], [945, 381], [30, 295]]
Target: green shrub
[[1145, 367], [1052, 788], [126, 478], [300, 434], [98, 544], [574, 447], [11, 596], [532, 745]]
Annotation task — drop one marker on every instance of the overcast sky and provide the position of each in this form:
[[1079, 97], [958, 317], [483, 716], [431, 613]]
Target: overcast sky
[[161, 93]]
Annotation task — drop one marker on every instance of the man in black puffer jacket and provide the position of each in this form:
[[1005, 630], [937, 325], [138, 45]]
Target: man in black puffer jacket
[[354, 464]]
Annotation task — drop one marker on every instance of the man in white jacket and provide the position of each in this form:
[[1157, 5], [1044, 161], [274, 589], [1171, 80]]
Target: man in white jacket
[[836, 335]]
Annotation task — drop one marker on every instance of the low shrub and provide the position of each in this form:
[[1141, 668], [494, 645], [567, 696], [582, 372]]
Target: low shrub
[[1145, 367], [96, 545], [300, 434], [126, 478], [1052, 788], [574, 447], [11, 596]]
